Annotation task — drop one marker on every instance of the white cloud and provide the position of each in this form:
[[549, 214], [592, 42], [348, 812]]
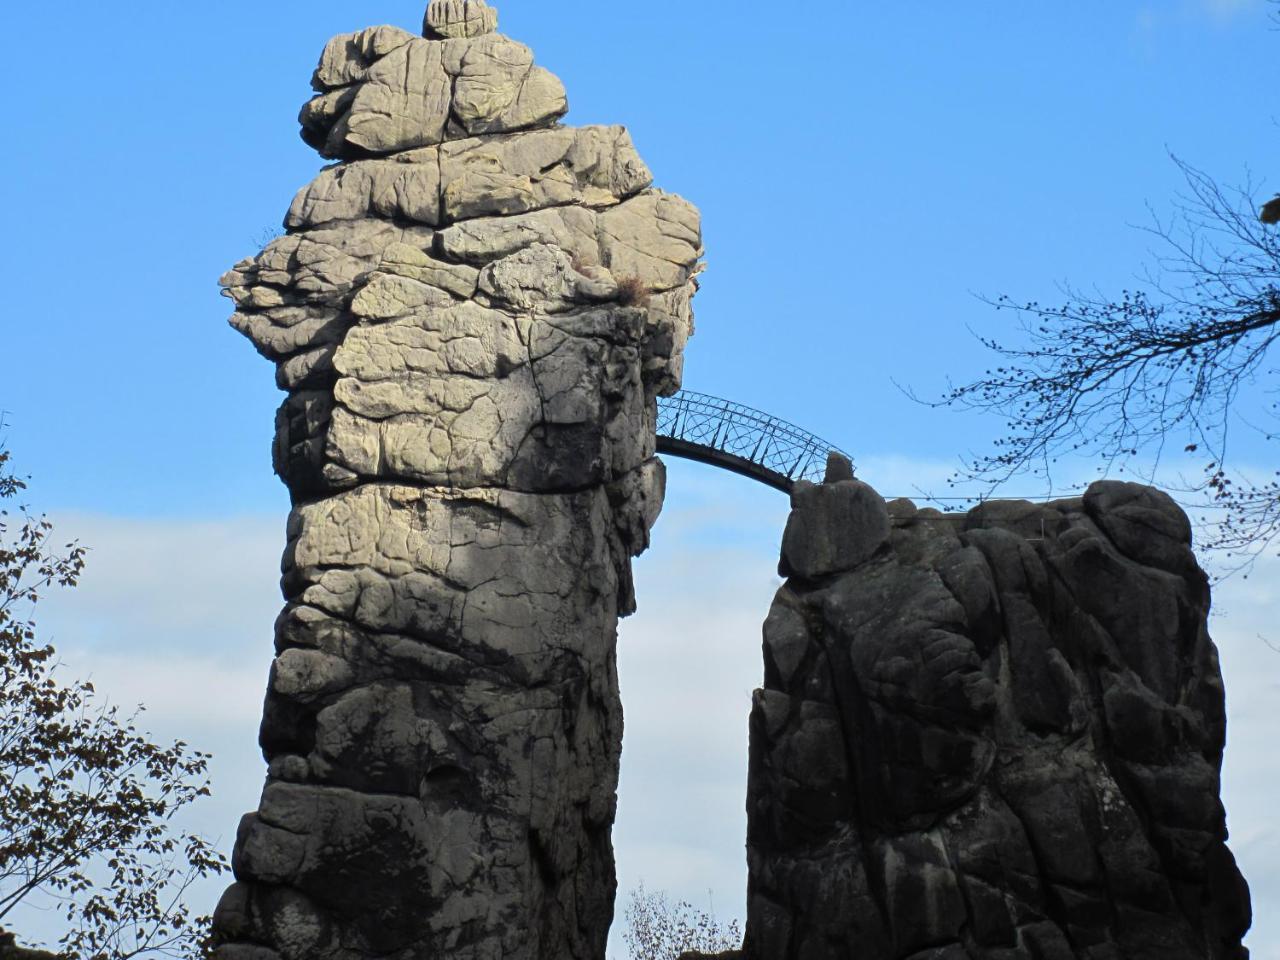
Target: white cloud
[[688, 662], [1229, 9], [181, 585], [178, 615], [910, 477], [1152, 17], [1251, 669]]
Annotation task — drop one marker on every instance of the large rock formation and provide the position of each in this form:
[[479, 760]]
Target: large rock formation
[[996, 736], [472, 313]]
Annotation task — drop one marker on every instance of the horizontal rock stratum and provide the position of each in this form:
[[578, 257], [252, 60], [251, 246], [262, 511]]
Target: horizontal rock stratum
[[472, 314], [995, 736]]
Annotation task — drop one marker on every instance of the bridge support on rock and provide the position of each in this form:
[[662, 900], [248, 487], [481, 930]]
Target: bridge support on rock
[[738, 438]]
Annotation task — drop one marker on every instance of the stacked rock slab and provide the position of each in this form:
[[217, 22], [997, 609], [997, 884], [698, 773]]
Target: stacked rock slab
[[472, 314], [996, 736]]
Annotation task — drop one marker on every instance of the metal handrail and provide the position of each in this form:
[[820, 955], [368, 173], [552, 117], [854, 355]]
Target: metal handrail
[[747, 441]]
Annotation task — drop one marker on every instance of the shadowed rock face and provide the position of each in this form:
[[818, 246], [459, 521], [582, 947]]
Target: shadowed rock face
[[472, 315], [993, 736]]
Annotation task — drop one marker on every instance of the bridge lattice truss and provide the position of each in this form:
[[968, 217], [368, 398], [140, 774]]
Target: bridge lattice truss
[[736, 437]]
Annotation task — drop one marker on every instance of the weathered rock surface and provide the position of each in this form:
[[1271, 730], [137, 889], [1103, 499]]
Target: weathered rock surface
[[997, 736], [468, 438], [459, 18], [383, 90]]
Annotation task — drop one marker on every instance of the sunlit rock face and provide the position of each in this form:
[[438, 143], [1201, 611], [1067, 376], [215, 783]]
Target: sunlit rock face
[[472, 313], [992, 736]]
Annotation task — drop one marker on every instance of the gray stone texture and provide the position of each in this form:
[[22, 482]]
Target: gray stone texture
[[994, 736], [459, 18], [468, 438], [383, 91]]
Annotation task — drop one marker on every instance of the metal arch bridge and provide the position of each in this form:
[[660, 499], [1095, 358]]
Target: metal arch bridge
[[737, 438]]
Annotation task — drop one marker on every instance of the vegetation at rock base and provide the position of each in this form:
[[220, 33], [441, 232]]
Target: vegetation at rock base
[[1175, 363], [87, 800], [657, 929]]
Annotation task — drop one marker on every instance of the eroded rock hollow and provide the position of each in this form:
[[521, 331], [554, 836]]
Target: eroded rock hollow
[[995, 736], [472, 313]]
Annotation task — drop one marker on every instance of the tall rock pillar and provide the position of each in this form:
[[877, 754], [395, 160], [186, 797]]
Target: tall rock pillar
[[472, 314]]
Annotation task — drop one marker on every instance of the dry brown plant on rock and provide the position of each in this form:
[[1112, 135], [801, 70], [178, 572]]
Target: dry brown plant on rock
[[632, 292]]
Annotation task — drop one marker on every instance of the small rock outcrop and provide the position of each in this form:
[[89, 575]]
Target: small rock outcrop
[[472, 314], [995, 736]]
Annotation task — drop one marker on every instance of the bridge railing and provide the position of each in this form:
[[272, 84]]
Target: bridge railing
[[740, 438]]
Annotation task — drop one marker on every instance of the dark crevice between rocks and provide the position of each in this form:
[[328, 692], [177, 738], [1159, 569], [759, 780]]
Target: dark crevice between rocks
[[848, 702], [1107, 661]]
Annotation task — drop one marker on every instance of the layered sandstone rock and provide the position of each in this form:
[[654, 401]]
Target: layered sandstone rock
[[472, 314], [996, 736]]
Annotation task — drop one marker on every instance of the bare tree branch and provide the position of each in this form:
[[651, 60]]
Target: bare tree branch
[[1120, 378]]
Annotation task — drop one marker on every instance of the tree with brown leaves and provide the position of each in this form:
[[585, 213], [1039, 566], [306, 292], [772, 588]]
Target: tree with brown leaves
[[87, 800]]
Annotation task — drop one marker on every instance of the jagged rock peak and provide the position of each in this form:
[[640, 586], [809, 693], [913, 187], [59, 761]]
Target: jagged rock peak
[[455, 19], [382, 90]]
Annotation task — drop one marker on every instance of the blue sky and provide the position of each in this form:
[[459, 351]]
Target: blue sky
[[864, 170]]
